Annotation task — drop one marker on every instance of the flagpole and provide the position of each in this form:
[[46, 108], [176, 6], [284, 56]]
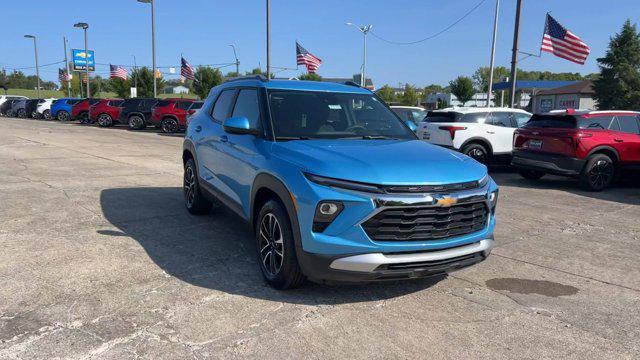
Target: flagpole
[[493, 53], [268, 39], [66, 61], [514, 54]]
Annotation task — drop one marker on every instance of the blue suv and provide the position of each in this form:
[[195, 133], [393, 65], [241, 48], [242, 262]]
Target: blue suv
[[61, 108], [336, 187]]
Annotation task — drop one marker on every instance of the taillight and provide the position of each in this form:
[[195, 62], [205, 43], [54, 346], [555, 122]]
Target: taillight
[[579, 136], [452, 130]]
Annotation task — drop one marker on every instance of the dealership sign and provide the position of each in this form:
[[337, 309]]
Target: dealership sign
[[80, 60]]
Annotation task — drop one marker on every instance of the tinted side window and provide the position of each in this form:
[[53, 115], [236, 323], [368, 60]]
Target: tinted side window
[[183, 105], [500, 119], [629, 124], [247, 106], [223, 105], [474, 118], [521, 119], [196, 105], [597, 122]]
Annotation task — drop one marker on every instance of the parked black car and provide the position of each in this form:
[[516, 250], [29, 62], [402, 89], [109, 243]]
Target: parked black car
[[136, 112], [18, 109], [31, 106], [5, 108]]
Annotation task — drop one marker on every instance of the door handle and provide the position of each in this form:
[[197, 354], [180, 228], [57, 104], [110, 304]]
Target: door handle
[[618, 140], [198, 128], [224, 138], [490, 132]]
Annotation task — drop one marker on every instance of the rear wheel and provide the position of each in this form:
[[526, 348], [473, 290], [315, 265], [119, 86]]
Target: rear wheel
[[35, 114], [169, 126], [477, 152], [136, 122], [276, 248], [62, 115], [598, 173], [22, 113], [47, 114], [195, 202], [84, 118], [531, 174], [105, 120]]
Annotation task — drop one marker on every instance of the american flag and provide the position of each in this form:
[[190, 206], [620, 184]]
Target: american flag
[[186, 70], [563, 43], [63, 75], [303, 57], [117, 72]]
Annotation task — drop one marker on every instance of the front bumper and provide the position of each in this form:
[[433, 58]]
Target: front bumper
[[548, 163]]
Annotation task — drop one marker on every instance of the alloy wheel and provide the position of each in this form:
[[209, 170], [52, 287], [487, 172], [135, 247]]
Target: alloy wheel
[[477, 154], [104, 120], [47, 114], [63, 116], [189, 186], [169, 126], [601, 174], [271, 244]]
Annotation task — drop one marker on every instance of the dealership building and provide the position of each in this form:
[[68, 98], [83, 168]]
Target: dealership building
[[574, 96]]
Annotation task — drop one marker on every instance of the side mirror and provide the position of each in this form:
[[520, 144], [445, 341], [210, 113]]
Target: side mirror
[[411, 125], [191, 112], [238, 125]]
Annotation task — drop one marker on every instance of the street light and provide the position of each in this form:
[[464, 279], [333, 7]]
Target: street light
[[153, 43], [35, 48], [85, 26], [364, 29], [236, 57]]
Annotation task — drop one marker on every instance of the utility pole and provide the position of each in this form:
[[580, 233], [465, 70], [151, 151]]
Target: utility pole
[[364, 29], [153, 44], [514, 54], [66, 61], [135, 78], [493, 52], [268, 39], [85, 26], [236, 57]]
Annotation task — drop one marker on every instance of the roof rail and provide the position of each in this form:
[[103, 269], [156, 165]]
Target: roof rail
[[351, 83], [250, 77]]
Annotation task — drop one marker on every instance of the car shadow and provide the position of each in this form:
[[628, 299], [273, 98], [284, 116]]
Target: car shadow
[[178, 134], [626, 189], [217, 250]]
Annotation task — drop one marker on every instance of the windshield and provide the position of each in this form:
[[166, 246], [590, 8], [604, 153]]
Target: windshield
[[551, 121], [443, 117], [325, 115]]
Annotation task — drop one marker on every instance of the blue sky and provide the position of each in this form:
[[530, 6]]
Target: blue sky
[[202, 29]]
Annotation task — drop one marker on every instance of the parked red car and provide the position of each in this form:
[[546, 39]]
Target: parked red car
[[80, 110], [170, 115], [105, 111], [589, 145]]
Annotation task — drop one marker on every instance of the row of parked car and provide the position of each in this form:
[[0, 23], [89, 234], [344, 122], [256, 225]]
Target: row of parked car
[[169, 115]]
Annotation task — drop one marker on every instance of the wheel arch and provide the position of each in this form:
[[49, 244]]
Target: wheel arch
[[478, 140], [606, 150]]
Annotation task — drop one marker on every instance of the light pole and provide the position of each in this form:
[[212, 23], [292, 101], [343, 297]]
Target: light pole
[[268, 39], [493, 52], [35, 49], [85, 26], [153, 43], [364, 29], [236, 57]]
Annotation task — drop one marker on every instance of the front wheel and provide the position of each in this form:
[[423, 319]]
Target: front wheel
[[477, 152], [195, 202], [531, 174], [105, 120], [62, 115], [169, 126], [84, 118], [276, 248], [47, 114], [35, 114], [22, 113], [136, 122], [598, 173]]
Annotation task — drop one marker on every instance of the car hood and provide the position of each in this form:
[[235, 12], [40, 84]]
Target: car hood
[[383, 162]]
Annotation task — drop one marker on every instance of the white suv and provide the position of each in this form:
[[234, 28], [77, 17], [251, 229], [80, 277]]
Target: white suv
[[43, 111], [477, 132]]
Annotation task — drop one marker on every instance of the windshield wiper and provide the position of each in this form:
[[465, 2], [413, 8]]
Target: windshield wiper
[[378, 137], [292, 138]]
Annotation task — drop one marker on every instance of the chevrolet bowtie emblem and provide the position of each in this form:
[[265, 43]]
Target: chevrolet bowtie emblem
[[447, 201]]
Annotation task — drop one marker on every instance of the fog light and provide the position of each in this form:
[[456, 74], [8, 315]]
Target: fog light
[[326, 212]]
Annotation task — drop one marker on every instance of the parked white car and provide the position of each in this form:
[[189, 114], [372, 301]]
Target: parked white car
[[411, 113], [480, 133], [43, 111], [4, 98]]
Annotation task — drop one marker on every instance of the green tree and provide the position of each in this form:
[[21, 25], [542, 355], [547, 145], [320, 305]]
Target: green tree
[[432, 89], [462, 88], [205, 79], [618, 86], [387, 94], [410, 97], [310, 76], [121, 87], [481, 76], [144, 78], [232, 74]]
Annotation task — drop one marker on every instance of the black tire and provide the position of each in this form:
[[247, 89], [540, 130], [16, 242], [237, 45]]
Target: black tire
[[35, 115], [136, 122], [84, 118], [194, 200], [22, 113], [275, 246], [598, 173], [477, 152], [62, 115], [169, 126], [531, 174], [46, 114], [105, 120]]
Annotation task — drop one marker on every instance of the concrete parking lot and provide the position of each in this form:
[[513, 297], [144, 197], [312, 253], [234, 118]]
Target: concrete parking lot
[[99, 259]]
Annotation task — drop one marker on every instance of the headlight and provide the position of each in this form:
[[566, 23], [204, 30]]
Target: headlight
[[343, 184], [493, 200], [326, 212], [482, 182]]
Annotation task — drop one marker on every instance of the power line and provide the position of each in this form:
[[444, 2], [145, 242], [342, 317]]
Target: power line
[[434, 35]]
